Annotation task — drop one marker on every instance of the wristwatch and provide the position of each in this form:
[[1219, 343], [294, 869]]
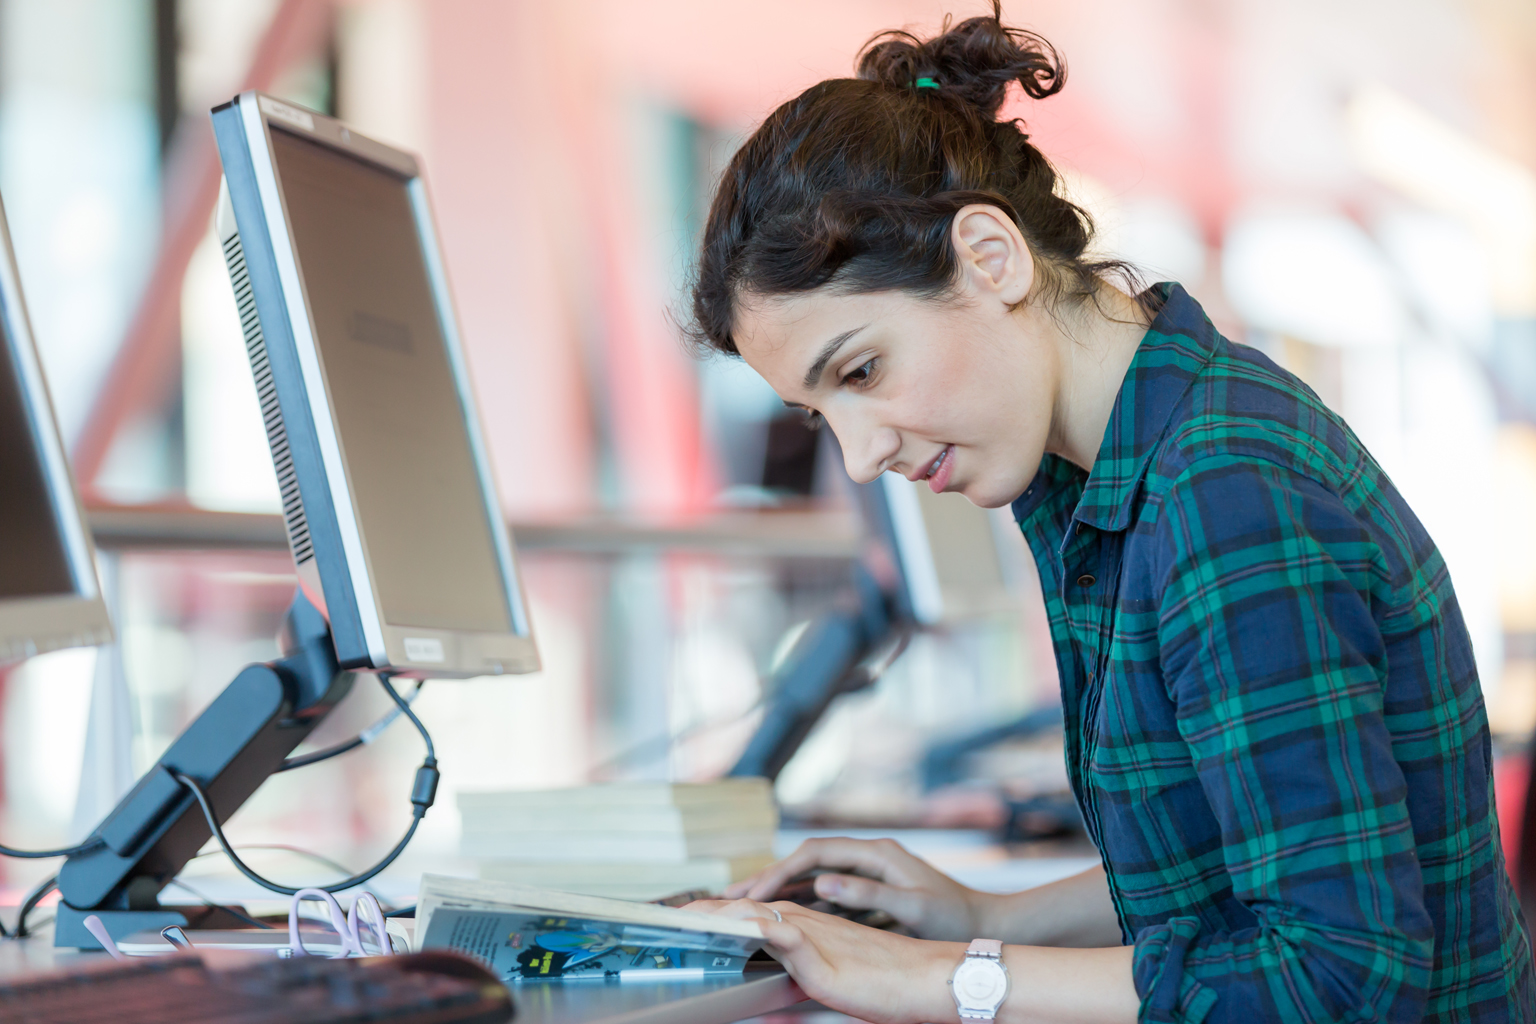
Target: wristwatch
[[980, 983]]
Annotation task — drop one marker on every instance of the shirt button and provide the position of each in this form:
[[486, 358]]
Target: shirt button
[[1085, 580]]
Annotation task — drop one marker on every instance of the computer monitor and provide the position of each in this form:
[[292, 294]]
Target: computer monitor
[[954, 558], [49, 594], [391, 510], [404, 562]]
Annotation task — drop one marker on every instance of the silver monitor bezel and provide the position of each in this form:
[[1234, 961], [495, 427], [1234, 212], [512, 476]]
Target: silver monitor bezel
[[33, 625], [465, 653], [933, 594]]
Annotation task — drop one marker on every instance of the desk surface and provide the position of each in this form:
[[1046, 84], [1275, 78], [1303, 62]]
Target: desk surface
[[713, 1001], [969, 856], [716, 1001]]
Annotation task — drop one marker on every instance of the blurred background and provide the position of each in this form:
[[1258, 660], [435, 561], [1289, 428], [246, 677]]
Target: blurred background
[[1350, 188]]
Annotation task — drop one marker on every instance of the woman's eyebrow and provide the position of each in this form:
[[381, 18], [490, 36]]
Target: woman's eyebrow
[[813, 375]]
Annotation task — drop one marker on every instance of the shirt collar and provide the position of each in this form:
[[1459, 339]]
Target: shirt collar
[[1171, 355]]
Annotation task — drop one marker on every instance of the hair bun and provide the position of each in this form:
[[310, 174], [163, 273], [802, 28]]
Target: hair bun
[[973, 61]]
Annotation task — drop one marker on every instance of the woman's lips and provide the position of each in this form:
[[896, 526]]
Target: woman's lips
[[943, 468]]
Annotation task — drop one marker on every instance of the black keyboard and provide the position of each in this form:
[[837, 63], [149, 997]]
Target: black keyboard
[[421, 988]]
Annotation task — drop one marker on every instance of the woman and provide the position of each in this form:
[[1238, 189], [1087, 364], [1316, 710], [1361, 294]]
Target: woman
[[1274, 726]]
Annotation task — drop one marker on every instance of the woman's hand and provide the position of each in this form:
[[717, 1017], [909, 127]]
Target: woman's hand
[[866, 973], [877, 874]]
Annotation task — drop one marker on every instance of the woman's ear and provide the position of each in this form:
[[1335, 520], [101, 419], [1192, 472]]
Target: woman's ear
[[993, 256]]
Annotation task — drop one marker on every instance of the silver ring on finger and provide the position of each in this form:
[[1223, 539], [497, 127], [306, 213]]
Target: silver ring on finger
[[776, 915]]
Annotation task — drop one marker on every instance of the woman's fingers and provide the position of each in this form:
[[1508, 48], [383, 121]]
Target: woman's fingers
[[781, 934], [878, 858], [731, 908], [771, 879], [736, 890], [740, 909], [854, 892]]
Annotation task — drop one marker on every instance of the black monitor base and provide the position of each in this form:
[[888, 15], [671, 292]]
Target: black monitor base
[[69, 924], [231, 748]]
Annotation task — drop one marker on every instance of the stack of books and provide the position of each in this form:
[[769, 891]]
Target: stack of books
[[624, 840]]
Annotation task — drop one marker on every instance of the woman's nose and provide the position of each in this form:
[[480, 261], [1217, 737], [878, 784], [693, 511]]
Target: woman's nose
[[867, 452]]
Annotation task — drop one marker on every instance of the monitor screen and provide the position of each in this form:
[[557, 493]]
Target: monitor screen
[[392, 390], [49, 597], [34, 558]]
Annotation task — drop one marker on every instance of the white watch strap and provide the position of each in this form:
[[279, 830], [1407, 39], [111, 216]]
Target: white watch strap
[[990, 948]]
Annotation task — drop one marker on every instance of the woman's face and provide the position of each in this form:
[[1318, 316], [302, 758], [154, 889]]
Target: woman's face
[[958, 392]]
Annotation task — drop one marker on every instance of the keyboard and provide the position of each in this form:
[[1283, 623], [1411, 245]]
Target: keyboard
[[420, 988]]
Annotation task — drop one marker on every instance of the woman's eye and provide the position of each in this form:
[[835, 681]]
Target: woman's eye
[[861, 375], [813, 420]]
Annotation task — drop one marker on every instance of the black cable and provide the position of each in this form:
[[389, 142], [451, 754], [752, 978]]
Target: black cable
[[368, 735], [30, 903], [219, 906], [319, 755], [423, 792], [240, 865], [340, 869], [405, 709], [67, 851]]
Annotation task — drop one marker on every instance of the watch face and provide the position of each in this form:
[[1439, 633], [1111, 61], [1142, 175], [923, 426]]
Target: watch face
[[980, 984]]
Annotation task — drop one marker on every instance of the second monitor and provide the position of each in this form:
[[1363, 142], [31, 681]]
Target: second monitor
[[49, 596]]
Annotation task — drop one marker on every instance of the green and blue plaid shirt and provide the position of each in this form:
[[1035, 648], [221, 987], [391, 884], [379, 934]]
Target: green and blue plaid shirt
[[1274, 725]]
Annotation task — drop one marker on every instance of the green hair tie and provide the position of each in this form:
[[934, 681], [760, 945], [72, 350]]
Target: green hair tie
[[925, 83]]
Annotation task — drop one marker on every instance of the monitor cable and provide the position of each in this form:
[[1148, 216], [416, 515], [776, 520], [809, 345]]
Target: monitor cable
[[363, 738], [67, 851], [423, 792], [28, 905]]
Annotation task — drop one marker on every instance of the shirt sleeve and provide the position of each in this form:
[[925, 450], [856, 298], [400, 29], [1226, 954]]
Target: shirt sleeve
[[1277, 671]]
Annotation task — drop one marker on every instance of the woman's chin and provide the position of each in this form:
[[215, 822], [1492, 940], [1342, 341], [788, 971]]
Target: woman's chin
[[983, 496]]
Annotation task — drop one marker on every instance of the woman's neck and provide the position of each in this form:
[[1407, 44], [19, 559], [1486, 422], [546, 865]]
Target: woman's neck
[[1096, 344]]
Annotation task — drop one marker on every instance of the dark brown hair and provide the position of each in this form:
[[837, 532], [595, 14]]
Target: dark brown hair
[[855, 182]]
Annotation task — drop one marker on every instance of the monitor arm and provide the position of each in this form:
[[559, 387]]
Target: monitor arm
[[231, 748], [841, 651]]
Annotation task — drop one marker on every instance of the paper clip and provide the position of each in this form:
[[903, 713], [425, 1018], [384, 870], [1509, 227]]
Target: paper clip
[[174, 934]]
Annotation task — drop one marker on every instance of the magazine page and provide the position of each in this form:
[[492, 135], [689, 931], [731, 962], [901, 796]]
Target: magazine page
[[523, 946], [437, 890]]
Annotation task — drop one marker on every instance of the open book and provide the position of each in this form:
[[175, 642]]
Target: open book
[[528, 934]]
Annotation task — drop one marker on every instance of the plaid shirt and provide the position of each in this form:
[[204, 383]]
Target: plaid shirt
[[1274, 725]]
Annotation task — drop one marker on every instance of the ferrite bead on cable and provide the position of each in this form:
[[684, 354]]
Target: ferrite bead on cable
[[425, 789]]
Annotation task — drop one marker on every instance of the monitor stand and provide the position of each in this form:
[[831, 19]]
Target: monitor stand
[[231, 748], [831, 658]]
